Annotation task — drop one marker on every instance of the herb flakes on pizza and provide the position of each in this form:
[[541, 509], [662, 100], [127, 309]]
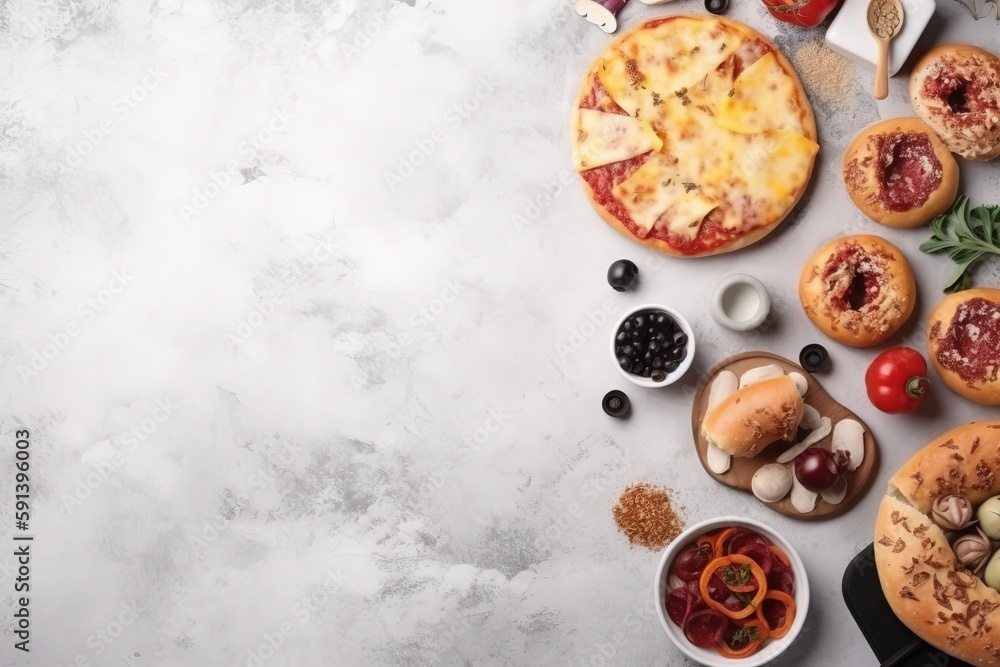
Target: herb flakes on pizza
[[693, 135]]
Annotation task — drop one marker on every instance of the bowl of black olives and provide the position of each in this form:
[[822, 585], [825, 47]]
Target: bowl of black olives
[[652, 345]]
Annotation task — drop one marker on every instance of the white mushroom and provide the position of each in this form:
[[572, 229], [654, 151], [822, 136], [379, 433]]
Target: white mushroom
[[800, 383], [849, 436], [803, 500], [824, 429], [761, 373], [836, 493], [601, 13], [718, 460], [811, 419], [771, 482], [723, 386]]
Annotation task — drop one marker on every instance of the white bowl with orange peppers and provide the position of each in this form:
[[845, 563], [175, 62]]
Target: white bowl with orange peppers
[[731, 592]]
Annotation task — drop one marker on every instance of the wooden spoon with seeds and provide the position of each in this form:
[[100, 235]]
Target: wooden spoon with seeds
[[885, 19]]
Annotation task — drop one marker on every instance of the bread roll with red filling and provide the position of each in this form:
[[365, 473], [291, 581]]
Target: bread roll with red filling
[[963, 342]]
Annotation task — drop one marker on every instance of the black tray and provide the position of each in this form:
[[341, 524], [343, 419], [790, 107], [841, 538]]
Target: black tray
[[892, 642]]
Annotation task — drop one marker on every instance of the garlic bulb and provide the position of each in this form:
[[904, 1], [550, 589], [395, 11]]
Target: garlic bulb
[[952, 512], [973, 550]]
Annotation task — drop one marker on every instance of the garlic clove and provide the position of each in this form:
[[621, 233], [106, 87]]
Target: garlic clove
[[760, 373], [807, 442], [849, 436], [724, 385], [717, 459], [811, 419], [803, 500], [836, 493], [800, 383]]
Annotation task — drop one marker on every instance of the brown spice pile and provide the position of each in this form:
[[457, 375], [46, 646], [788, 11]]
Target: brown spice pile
[[824, 73], [646, 516]]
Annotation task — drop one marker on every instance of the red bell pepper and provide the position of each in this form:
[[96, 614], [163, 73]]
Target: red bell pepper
[[806, 13]]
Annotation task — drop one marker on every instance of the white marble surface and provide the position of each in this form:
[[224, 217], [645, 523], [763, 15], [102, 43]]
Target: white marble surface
[[277, 396]]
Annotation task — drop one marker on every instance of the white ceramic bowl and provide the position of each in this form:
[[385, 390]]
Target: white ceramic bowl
[[685, 363], [772, 647], [737, 281]]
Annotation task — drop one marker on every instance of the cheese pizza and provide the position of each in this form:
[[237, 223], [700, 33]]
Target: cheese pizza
[[693, 135]]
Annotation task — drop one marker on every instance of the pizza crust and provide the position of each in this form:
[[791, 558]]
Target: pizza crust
[[807, 119]]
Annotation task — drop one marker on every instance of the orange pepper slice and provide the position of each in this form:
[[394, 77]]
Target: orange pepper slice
[[786, 624], [781, 555], [720, 541], [738, 559]]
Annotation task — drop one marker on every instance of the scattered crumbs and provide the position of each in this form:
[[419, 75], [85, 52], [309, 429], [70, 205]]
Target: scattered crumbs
[[824, 72], [646, 515]]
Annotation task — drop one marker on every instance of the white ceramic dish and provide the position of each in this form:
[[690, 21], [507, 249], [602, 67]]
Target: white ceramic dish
[[685, 363], [709, 657], [724, 311], [848, 35]]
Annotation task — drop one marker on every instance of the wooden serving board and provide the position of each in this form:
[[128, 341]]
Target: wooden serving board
[[741, 471]]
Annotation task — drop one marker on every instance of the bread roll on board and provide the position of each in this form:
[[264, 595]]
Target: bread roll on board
[[756, 416]]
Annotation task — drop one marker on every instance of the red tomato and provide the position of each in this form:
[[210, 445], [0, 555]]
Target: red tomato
[[806, 13], [897, 380]]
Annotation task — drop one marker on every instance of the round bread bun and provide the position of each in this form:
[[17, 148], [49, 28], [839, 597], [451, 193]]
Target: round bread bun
[[754, 417], [932, 594], [899, 173], [858, 290], [956, 90], [807, 119], [963, 342]]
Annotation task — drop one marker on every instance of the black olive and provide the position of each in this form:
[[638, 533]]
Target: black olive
[[621, 336], [657, 362], [647, 371], [653, 346], [640, 321], [660, 318], [680, 339], [676, 353], [623, 275], [717, 6], [658, 376], [648, 357], [625, 363], [626, 326], [661, 337], [628, 350], [616, 404], [814, 358], [672, 366]]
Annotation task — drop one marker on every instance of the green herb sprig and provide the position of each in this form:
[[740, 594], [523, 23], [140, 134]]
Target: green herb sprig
[[966, 236]]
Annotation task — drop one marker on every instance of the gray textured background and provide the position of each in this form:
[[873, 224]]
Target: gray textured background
[[279, 397]]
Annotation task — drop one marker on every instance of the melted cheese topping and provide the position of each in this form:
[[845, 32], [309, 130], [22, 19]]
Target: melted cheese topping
[[657, 196], [735, 145], [764, 97], [652, 66], [609, 137]]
